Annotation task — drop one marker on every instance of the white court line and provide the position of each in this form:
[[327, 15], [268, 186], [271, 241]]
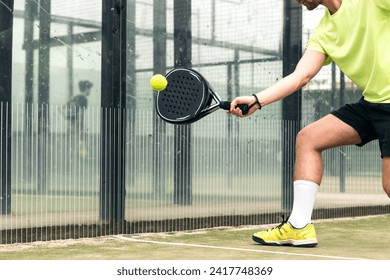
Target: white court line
[[232, 249]]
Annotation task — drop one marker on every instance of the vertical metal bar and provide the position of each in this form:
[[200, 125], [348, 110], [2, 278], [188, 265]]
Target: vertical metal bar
[[182, 133], [43, 92], [30, 12], [333, 158], [237, 168], [212, 20], [342, 148], [291, 106], [131, 79], [230, 162], [332, 94], [113, 100], [6, 27], [237, 72], [69, 57], [159, 67]]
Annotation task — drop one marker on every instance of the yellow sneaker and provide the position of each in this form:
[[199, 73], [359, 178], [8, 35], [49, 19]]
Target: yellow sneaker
[[286, 234]]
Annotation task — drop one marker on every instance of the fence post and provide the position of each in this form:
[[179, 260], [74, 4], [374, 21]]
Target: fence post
[[113, 100], [159, 67], [182, 133], [292, 105], [6, 27]]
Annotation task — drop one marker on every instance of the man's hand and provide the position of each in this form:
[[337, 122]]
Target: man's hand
[[247, 100]]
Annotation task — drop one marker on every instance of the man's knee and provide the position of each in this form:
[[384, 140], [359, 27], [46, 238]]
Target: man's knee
[[304, 140], [386, 175], [386, 188]]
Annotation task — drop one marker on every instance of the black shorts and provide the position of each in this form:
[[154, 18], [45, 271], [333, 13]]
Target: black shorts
[[370, 120]]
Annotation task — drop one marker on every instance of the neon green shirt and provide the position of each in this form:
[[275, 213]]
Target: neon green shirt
[[357, 39]]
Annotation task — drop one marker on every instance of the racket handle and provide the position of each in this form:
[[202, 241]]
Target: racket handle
[[226, 106]]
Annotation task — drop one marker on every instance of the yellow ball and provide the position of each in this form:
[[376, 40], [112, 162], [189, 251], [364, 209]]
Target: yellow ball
[[158, 82]]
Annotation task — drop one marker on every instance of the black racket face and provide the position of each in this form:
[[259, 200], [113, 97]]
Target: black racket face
[[184, 97]]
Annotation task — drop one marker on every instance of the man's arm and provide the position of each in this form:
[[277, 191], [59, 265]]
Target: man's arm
[[308, 66]]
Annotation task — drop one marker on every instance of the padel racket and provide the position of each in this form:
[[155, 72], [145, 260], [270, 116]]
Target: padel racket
[[188, 97]]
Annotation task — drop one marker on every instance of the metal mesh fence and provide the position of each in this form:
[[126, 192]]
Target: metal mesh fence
[[231, 176], [235, 174]]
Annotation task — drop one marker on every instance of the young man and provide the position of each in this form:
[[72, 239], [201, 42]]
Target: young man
[[354, 34], [81, 100], [75, 111]]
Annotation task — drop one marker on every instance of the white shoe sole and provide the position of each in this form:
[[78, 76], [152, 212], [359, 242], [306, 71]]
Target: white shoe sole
[[312, 242]]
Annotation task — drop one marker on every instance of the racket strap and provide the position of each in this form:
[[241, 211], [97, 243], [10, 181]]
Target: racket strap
[[257, 102]]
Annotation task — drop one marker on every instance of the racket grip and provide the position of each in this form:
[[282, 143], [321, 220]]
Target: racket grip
[[226, 106]]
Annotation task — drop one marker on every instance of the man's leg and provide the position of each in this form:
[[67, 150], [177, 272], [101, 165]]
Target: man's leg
[[326, 133], [386, 175], [323, 134]]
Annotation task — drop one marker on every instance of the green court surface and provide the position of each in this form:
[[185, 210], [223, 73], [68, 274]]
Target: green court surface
[[339, 239]]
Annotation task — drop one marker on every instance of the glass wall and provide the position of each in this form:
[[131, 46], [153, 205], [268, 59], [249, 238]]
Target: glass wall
[[239, 53], [56, 80], [218, 171]]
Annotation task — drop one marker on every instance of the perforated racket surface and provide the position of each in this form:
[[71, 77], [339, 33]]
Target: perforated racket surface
[[188, 97], [184, 97]]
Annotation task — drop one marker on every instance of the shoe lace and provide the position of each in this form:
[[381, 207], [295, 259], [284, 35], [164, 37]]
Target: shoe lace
[[284, 220]]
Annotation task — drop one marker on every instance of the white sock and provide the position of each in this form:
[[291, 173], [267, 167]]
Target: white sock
[[304, 197]]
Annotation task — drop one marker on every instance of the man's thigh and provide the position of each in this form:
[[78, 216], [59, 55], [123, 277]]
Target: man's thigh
[[329, 132]]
